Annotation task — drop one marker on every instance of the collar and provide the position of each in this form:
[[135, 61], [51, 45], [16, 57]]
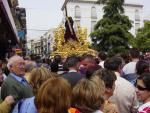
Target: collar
[[135, 60], [72, 70], [19, 79], [117, 73], [98, 111]]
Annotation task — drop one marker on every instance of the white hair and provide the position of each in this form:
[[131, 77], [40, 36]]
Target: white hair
[[13, 59]]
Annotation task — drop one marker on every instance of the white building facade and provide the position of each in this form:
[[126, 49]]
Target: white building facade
[[88, 12], [42, 46]]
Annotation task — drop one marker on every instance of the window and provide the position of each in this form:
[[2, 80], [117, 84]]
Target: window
[[93, 13], [137, 15], [77, 12], [92, 25], [137, 26]]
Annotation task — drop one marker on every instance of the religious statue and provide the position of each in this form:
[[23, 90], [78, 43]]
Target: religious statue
[[69, 31], [67, 41], [68, 46]]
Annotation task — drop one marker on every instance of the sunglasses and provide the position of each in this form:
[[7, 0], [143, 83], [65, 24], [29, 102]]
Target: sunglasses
[[141, 88]]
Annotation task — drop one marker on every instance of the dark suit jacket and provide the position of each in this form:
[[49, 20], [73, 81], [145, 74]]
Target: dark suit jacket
[[13, 87], [73, 77]]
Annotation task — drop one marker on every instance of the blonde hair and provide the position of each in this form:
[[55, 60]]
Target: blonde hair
[[54, 96], [38, 76], [87, 95]]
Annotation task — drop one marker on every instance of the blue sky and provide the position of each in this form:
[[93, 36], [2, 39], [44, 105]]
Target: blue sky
[[46, 14]]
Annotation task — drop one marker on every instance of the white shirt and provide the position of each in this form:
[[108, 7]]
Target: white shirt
[[129, 68], [124, 95], [101, 64], [98, 111]]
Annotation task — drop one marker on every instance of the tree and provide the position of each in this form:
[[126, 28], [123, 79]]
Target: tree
[[111, 33], [142, 40]]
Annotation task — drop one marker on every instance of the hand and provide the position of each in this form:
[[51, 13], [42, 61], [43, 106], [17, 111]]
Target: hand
[[9, 99]]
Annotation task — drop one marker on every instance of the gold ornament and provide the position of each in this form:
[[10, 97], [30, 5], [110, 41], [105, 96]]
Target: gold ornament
[[71, 47]]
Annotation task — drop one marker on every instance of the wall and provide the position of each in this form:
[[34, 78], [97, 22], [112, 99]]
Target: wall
[[85, 8]]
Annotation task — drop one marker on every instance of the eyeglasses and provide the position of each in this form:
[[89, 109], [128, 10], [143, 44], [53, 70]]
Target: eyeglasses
[[20, 64], [141, 88]]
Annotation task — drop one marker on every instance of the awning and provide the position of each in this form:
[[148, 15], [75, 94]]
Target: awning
[[8, 15]]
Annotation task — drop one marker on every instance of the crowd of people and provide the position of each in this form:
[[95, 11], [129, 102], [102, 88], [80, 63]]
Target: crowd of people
[[77, 84]]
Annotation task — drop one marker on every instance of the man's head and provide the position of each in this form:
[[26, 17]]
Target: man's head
[[102, 55], [113, 64], [57, 58], [72, 62], [16, 64], [134, 53], [29, 66]]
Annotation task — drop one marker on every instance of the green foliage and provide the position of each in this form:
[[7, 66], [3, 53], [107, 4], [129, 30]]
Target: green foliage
[[142, 40], [111, 32]]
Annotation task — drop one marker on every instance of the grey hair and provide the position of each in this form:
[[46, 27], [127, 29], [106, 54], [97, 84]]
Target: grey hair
[[13, 59], [29, 66]]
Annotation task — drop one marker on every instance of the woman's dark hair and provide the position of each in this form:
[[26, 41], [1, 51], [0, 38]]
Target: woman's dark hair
[[142, 66], [146, 79]]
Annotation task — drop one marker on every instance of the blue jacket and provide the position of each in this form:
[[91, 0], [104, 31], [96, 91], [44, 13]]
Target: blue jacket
[[25, 106]]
